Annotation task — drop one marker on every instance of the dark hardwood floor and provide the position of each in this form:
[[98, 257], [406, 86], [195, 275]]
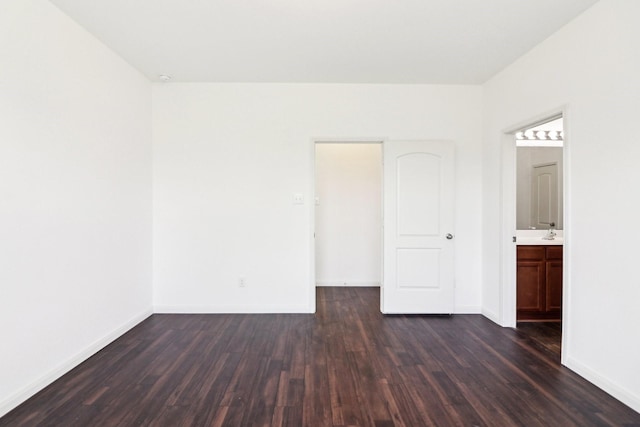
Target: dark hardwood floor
[[547, 336], [347, 365]]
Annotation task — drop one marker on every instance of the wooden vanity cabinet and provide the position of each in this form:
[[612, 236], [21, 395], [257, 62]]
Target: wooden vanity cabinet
[[539, 283]]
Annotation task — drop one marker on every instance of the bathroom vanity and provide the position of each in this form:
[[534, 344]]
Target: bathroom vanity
[[539, 278]]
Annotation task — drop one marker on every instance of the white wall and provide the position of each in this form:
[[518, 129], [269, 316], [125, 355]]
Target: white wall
[[75, 197], [592, 66], [349, 214], [229, 157]]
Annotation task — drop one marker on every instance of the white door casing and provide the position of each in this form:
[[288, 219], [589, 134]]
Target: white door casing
[[418, 223]]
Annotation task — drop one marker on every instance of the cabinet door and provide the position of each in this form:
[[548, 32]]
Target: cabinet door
[[554, 286], [531, 287], [530, 281], [554, 279]]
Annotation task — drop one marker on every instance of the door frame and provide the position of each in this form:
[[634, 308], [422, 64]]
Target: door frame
[[508, 220], [312, 209]]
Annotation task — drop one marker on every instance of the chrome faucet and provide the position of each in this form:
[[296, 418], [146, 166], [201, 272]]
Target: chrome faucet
[[551, 233]]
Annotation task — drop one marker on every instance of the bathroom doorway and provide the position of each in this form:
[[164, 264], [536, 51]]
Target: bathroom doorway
[[539, 235], [511, 232]]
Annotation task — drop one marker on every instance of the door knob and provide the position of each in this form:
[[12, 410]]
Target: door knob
[[449, 236]]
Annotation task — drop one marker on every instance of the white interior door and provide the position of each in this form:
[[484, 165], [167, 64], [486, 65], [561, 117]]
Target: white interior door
[[544, 195], [418, 227]]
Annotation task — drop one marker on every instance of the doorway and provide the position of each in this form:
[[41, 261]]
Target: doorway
[[414, 228], [348, 214], [534, 206]]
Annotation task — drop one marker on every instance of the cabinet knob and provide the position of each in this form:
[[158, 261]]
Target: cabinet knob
[[449, 236]]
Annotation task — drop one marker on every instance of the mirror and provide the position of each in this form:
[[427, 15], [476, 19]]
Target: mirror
[[539, 152]]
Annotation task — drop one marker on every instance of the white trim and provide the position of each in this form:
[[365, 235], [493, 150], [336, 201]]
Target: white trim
[[311, 288], [467, 309], [340, 283], [567, 265], [538, 143], [507, 306], [231, 309], [491, 315], [31, 389], [622, 394], [540, 119], [348, 141]]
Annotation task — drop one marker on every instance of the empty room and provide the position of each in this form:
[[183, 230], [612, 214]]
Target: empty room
[[319, 213]]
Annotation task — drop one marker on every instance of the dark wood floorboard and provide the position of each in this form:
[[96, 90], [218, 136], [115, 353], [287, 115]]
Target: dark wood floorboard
[[347, 365], [546, 335]]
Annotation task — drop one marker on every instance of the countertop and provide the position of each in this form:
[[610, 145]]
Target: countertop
[[535, 237]]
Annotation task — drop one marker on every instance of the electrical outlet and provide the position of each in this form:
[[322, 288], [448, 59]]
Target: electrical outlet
[[242, 282]]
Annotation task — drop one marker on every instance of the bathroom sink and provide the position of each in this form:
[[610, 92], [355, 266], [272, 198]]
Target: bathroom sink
[[536, 237]]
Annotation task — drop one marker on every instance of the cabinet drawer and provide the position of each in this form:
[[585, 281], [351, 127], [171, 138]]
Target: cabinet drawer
[[531, 253], [554, 252]]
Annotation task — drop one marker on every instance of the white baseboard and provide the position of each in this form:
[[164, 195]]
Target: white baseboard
[[623, 395], [467, 309], [491, 316], [230, 309], [30, 389], [336, 283]]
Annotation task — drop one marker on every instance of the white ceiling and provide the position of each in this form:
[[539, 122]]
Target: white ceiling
[[339, 41]]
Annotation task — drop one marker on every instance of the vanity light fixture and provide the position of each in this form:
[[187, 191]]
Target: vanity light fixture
[[540, 135], [543, 134]]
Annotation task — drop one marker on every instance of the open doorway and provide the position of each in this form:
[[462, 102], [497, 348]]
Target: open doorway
[[539, 233], [416, 214], [539, 222], [348, 214]]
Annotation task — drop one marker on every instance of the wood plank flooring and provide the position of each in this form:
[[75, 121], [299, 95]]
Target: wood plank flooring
[[545, 335], [347, 365]]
